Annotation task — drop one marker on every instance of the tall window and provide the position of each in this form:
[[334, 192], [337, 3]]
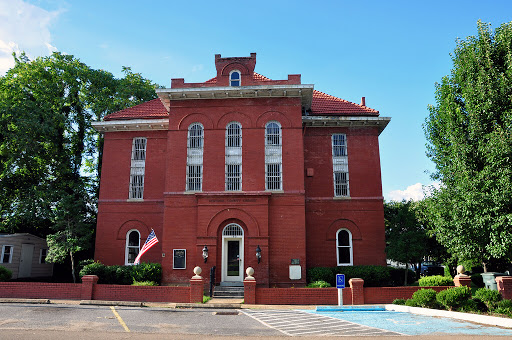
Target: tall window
[[42, 255], [233, 157], [344, 247], [195, 157], [138, 168], [273, 157], [132, 246], [340, 165], [235, 78], [6, 254]]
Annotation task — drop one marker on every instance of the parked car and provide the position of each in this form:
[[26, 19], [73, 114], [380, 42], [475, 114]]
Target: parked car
[[429, 268]]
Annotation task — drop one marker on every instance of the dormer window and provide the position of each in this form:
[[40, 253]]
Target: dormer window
[[234, 78]]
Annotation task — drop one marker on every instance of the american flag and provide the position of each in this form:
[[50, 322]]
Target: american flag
[[150, 242]]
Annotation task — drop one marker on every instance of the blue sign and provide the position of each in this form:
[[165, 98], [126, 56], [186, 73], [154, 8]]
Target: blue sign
[[340, 281]]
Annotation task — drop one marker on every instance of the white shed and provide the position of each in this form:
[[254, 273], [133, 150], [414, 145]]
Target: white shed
[[25, 255]]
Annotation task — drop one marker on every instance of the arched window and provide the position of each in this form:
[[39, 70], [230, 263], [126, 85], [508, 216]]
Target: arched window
[[235, 78], [273, 157], [195, 157], [344, 251], [132, 246], [233, 156]]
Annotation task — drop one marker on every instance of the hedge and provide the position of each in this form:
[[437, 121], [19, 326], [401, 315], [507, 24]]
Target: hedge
[[124, 275], [373, 276], [435, 280]]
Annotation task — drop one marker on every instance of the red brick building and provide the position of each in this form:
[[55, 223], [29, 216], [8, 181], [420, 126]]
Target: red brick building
[[242, 163]]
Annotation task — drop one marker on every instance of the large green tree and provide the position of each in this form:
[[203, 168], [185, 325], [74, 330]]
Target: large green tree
[[469, 131], [49, 150]]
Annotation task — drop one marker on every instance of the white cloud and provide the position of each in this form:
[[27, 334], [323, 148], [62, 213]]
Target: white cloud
[[415, 192], [24, 27]]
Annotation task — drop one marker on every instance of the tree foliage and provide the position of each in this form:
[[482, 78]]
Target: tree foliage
[[406, 239], [49, 150], [469, 131]]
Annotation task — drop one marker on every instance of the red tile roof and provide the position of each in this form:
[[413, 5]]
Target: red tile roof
[[148, 110], [322, 104], [325, 104]]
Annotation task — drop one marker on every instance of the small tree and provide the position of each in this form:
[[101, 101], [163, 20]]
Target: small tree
[[406, 238]]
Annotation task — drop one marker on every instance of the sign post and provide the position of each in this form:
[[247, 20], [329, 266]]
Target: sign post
[[340, 284]]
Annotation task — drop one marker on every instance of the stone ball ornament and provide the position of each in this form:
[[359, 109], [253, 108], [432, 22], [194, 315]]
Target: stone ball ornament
[[250, 272], [197, 272]]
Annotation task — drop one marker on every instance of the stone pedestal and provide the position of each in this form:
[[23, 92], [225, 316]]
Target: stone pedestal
[[88, 282], [505, 286], [462, 280], [356, 285]]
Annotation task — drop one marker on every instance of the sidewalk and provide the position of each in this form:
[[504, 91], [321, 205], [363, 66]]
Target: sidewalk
[[213, 303]]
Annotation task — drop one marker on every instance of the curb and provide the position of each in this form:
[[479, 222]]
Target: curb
[[31, 301], [111, 303], [481, 319], [210, 306]]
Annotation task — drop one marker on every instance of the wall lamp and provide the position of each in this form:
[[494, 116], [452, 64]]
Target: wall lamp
[[258, 253], [205, 254]]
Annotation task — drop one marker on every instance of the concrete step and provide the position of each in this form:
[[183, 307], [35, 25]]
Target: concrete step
[[228, 292]]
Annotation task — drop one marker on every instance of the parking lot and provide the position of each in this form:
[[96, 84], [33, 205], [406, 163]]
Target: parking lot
[[50, 321]]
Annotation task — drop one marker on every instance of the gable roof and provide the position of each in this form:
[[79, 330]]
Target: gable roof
[[148, 110], [325, 104], [322, 105]]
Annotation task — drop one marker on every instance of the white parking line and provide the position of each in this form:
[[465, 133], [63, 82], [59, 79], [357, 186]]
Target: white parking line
[[299, 323]]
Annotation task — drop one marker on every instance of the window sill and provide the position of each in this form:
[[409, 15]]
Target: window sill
[[135, 200], [342, 198]]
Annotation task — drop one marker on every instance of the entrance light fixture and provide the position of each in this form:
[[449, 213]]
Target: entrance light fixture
[[258, 253], [205, 254]]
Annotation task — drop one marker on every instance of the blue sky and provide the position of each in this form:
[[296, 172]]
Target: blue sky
[[391, 52]]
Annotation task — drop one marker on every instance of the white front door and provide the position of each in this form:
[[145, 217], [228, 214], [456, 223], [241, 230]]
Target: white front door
[[232, 254], [27, 252]]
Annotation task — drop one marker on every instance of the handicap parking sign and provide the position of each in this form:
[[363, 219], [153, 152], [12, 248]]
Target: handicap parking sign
[[340, 281]]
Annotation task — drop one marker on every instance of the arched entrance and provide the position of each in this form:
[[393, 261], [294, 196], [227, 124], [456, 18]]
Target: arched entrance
[[232, 253]]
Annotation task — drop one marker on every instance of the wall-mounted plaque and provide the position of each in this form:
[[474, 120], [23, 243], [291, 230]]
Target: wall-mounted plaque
[[179, 259]]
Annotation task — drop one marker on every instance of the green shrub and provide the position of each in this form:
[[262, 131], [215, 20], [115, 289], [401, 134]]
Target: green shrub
[[472, 305], [207, 298], [425, 298], [373, 276], [399, 302], [505, 304], [504, 307], [318, 284], [321, 274], [124, 275], [411, 303], [478, 280], [489, 297], [147, 272], [95, 268], [144, 283], [436, 280], [454, 297], [5, 274]]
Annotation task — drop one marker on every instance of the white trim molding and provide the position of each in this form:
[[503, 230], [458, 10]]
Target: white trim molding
[[132, 125]]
